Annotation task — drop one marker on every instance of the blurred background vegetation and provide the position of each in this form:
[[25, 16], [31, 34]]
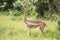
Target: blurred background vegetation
[[12, 26], [43, 8]]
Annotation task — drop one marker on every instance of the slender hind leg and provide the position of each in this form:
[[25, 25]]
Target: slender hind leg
[[42, 29]]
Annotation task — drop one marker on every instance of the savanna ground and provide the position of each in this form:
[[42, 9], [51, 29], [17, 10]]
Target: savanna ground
[[14, 28]]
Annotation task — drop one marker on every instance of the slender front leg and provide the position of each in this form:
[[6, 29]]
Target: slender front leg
[[30, 31]]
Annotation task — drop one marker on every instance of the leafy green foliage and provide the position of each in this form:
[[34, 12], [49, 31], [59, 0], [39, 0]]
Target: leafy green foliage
[[6, 4], [44, 6], [41, 7]]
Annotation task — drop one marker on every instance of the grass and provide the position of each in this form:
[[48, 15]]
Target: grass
[[17, 30]]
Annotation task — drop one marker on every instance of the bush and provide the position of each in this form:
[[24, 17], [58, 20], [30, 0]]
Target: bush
[[18, 5], [41, 7]]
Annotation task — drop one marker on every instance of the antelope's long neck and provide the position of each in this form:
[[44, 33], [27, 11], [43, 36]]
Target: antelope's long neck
[[25, 18]]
